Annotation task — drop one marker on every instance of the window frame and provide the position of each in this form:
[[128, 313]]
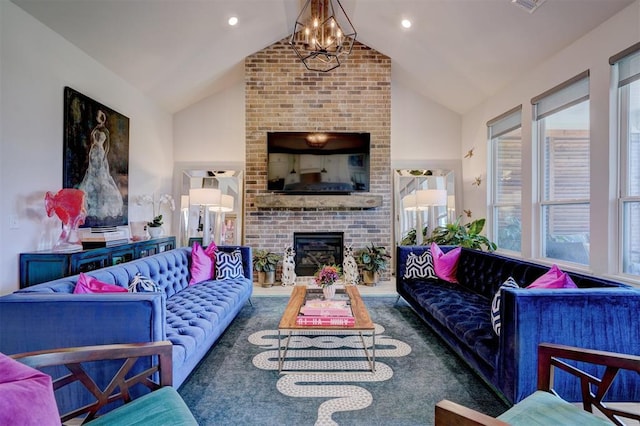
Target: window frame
[[568, 94], [497, 127]]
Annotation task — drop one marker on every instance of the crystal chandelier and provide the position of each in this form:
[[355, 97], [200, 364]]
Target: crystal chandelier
[[321, 36]]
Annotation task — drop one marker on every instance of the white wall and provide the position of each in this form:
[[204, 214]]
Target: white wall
[[212, 130], [421, 130], [592, 52], [35, 66]]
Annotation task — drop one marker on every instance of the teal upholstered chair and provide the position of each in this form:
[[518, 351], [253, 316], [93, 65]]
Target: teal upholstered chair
[[545, 407], [161, 405]]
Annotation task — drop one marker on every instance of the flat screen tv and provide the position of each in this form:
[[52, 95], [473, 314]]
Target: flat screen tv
[[318, 162]]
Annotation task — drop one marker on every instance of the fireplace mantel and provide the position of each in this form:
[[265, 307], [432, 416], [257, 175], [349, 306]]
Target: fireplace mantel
[[318, 202]]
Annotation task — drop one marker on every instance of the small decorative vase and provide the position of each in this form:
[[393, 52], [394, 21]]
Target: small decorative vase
[[329, 291], [155, 231]]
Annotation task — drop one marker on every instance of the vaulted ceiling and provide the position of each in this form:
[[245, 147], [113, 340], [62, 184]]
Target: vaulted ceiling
[[457, 52]]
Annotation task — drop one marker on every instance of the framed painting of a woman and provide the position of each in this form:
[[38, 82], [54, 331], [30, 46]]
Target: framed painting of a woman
[[96, 158]]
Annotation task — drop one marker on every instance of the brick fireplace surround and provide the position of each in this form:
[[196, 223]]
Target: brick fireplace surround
[[281, 95]]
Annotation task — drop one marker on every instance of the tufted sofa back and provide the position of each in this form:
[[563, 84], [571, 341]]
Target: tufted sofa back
[[170, 270], [484, 272]]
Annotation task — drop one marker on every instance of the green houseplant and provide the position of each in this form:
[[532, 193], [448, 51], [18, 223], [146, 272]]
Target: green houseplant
[[265, 263], [468, 235], [373, 259]]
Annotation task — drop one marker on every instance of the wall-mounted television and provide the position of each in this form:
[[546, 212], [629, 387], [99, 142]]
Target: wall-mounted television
[[318, 162]]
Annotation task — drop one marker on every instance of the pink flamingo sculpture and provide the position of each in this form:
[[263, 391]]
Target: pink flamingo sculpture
[[68, 205]]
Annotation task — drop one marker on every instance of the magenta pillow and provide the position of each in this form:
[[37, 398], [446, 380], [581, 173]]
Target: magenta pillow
[[203, 262], [553, 278], [26, 395], [445, 264], [88, 284]]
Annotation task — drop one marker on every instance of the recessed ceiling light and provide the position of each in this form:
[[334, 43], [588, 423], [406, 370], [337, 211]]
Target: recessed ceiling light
[[406, 23], [233, 21]]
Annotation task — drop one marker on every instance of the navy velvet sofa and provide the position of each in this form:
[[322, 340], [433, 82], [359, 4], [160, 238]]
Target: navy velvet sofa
[[599, 314], [49, 315]]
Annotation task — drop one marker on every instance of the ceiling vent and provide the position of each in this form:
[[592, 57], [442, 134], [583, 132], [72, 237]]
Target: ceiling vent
[[528, 5]]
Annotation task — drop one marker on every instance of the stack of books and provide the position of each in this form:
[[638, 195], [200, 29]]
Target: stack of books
[[317, 312], [92, 238]]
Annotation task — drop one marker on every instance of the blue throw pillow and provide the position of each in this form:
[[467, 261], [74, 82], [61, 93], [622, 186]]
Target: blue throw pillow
[[142, 284], [420, 267], [496, 322], [229, 265]]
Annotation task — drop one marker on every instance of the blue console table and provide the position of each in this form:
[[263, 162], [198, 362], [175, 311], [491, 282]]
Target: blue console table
[[41, 266]]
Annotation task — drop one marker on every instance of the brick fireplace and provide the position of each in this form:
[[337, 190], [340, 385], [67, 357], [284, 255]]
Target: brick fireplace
[[282, 96]]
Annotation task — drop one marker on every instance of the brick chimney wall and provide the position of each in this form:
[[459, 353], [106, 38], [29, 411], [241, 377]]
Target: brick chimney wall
[[282, 95]]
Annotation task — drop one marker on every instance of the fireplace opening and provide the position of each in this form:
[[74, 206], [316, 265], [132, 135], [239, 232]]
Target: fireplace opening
[[315, 249]]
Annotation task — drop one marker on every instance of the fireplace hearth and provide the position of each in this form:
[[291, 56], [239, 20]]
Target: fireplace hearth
[[315, 249]]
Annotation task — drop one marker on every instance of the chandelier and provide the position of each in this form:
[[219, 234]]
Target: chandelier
[[321, 37]]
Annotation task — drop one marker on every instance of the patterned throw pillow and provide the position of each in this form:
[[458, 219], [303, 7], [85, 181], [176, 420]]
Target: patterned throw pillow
[[142, 284], [229, 265], [496, 322], [420, 266]]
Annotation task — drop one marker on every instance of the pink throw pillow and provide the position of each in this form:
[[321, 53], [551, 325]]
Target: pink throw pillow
[[445, 264], [553, 278], [87, 284], [203, 262], [26, 395]]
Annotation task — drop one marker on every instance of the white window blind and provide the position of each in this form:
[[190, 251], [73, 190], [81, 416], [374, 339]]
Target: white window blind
[[563, 96], [628, 62], [505, 123]]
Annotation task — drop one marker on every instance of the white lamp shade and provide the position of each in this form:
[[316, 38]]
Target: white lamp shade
[[184, 202], [226, 204], [204, 196], [409, 202], [431, 197]]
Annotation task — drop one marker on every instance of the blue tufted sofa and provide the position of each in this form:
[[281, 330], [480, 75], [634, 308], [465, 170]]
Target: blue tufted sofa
[[49, 315], [599, 314]]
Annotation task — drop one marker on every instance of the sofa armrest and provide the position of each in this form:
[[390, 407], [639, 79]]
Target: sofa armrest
[[36, 321], [600, 318], [449, 413]]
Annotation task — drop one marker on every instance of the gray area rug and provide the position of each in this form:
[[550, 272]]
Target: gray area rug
[[238, 382]]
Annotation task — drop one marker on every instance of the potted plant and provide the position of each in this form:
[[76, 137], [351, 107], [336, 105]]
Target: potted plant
[[265, 262], [373, 259], [468, 235], [155, 227]]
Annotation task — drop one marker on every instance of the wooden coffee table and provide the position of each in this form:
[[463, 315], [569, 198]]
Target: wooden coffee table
[[288, 327]]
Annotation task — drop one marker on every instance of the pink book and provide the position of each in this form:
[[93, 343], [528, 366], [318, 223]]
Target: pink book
[[326, 312], [325, 321]]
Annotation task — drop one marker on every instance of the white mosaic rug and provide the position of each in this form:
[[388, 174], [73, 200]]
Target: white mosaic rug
[[326, 357]]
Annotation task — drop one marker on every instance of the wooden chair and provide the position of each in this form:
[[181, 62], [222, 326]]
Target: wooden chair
[[552, 356], [156, 377]]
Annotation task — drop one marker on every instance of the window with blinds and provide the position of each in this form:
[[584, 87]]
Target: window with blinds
[[627, 73], [562, 120], [505, 138]]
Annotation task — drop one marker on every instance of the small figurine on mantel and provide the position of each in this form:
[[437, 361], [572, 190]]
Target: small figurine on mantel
[[350, 267], [68, 205], [289, 266]]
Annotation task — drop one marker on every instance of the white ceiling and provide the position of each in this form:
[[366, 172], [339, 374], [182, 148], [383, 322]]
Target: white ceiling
[[457, 53]]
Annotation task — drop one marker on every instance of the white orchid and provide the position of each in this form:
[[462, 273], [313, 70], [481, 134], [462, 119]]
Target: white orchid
[[145, 200]]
